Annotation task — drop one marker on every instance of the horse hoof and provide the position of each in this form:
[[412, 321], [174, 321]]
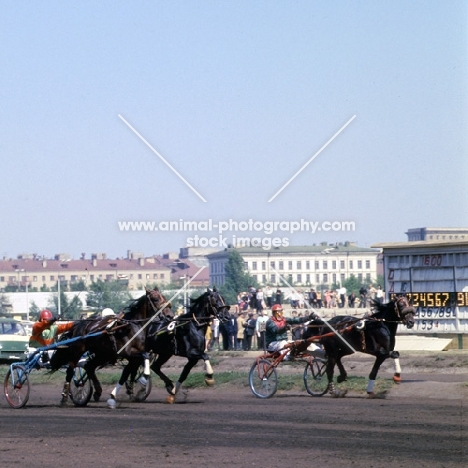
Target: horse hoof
[[170, 399], [397, 379], [63, 401], [209, 382], [111, 403], [96, 396], [371, 395]]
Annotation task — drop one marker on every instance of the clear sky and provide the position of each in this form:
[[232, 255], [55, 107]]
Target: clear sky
[[237, 96]]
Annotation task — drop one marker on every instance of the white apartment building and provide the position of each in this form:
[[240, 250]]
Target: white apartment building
[[301, 265]]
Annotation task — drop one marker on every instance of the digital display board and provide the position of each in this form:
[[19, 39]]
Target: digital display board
[[437, 299]]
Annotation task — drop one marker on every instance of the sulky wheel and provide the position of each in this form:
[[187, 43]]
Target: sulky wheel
[[81, 389], [315, 377], [16, 386], [263, 379]]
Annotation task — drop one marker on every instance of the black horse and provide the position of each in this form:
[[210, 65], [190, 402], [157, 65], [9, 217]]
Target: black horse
[[374, 334], [185, 336], [121, 338]]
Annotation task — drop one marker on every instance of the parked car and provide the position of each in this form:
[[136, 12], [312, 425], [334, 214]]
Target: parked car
[[13, 340]]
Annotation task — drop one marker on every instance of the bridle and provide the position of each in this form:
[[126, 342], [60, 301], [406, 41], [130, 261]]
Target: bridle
[[215, 310], [152, 296], [403, 308]]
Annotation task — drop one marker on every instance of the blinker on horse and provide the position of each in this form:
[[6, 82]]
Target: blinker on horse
[[374, 335]]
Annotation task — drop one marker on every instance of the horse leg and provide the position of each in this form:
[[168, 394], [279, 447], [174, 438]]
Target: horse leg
[[66, 385], [343, 374], [395, 355], [341, 378], [127, 370], [183, 376], [330, 368], [156, 368], [209, 380], [90, 369], [380, 358]]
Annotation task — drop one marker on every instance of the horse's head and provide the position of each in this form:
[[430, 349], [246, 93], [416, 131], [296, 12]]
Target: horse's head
[[158, 303], [405, 311], [218, 306]]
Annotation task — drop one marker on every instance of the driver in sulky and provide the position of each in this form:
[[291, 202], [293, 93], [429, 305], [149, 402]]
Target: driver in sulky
[[45, 331], [277, 327]]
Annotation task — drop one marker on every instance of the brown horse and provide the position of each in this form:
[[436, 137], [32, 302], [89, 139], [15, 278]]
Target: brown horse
[[121, 338]]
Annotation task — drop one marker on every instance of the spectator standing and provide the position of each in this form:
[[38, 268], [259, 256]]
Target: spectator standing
[[342, 294], [379, 295], [252, 298], [363, 297], [240, 330], [268, 296], [249, 331], [214, 334], [278, 295], [312, 298], [260, 327], [260, 301]]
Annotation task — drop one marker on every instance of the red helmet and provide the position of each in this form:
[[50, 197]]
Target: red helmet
[[277, 309], [45, 315]]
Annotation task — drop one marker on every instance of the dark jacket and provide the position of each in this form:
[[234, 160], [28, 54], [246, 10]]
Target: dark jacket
[[250, 327]]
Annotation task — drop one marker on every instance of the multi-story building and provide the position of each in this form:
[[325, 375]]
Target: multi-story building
[[38, 273], [301, 265], [437, 234]]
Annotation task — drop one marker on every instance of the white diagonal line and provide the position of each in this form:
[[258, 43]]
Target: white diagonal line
[[321, 318], [312, 158], [161, 157], [161, 308]]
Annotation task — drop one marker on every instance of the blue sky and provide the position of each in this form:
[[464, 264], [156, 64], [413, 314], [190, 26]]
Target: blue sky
[[237, 96]]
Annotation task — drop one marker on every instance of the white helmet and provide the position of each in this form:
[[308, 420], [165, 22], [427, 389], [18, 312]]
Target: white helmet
[[107, 311]]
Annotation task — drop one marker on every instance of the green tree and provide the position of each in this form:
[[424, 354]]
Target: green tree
[[352, 284], [78, 286], [34, 311], [69, 309], [5, 306], [380, 280], [110, 294], [237, 279]]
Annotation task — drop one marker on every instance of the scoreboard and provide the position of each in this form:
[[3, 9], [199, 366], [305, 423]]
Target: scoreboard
[[434, 278]]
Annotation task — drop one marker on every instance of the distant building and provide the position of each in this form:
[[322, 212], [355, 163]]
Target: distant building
[[183, 269], [437, 234], [301, 265], [36, 273]]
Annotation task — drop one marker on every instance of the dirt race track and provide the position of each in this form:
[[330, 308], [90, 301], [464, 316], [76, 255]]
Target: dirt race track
[[421, 423]]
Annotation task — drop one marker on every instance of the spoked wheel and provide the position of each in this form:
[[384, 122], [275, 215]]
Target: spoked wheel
[[141, 386], [80, 387], [16, 386], [315, 377], [263, 379]]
